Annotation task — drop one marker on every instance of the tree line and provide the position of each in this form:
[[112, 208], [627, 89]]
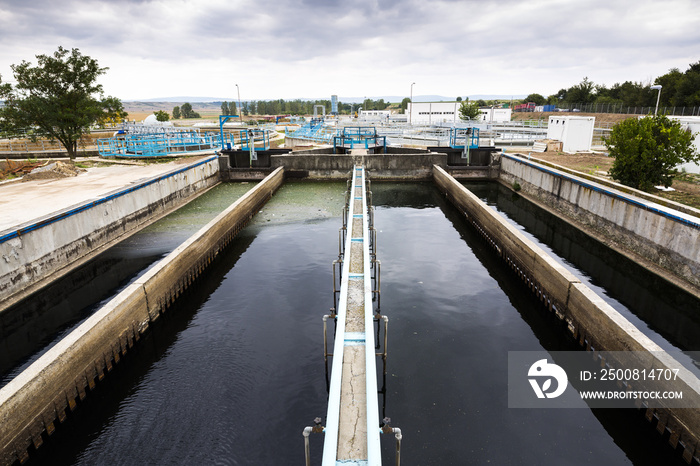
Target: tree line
[[679, 89], [296, 107]]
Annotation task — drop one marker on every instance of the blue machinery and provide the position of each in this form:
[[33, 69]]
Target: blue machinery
[[314, 130], [465, 139], [155, 142], [354, 137], [358, 137], [352, 428]]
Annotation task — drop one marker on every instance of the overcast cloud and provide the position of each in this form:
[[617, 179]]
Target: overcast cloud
[[315, 48]]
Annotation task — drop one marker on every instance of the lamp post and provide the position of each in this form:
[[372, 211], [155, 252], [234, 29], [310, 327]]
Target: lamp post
[[240, 110], [410, 114], [658, 97]]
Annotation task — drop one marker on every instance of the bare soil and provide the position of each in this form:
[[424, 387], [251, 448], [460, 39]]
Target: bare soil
[[53, 170]]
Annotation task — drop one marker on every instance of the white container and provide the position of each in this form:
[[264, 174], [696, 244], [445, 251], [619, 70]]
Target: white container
[[575, 133]]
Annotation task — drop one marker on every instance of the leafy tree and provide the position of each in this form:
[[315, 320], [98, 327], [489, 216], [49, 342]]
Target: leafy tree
[[162, 115], [176, 112], [581, 93], [404, 104], [459, 99], [647, 150], [59, 98], [187, 112], [224, 108], [468, 110], [538, 99]]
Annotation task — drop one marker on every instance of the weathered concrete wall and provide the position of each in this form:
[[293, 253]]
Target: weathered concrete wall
[[591, 320], [662, 236], [324, 165], [31, 403], [32, 252]]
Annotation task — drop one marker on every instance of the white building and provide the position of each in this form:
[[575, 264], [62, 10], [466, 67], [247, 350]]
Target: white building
[[448, 112], [374, 115], [495, 114], [575, 133], [426, 113]]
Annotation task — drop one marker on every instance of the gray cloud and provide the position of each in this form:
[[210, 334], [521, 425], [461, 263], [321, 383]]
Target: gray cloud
[[465, 46]]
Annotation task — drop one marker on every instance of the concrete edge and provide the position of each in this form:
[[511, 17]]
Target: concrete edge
[[687, 216], [618, 186]]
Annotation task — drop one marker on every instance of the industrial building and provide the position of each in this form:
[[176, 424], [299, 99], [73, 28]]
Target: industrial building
[[448, 112]]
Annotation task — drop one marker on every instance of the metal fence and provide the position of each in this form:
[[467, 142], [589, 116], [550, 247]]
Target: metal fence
[[626, 109], [41, 145]]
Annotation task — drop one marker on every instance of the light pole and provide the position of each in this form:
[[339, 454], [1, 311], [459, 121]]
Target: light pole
[[240, 110], [410, 114], [658, 97]]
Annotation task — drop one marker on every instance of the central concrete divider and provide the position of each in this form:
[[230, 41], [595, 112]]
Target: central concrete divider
[[593, 322], [32, 402]]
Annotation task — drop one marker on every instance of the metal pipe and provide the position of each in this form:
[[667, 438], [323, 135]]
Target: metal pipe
[[317, 428], [387, 429], [325, 338], [307, 447], [398, 435]]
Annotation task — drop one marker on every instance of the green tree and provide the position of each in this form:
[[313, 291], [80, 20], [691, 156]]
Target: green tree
[[459, 99], [162, 115], [59, 98], [404, 104], [581, 93], [538, 99], [176, 112], [468, 110], [647, 150], [224, 108], [186, 110]]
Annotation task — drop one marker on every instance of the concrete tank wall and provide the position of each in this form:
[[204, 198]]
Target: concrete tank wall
[[31, 404], [592, 321], [35, 250], [662, 237], [323, 164]]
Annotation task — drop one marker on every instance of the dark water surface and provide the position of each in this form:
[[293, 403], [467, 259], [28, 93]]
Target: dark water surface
[[234, 371]]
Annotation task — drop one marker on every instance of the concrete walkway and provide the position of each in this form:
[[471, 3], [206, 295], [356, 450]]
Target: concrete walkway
[[23, 202]]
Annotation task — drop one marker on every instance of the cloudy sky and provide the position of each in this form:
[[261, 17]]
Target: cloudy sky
[[315, 48]]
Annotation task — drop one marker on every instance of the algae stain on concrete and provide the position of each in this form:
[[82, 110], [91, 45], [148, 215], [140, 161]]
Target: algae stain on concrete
[[299, 201]]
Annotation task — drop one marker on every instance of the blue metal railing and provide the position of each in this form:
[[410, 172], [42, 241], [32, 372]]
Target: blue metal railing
[[464, 137], [157, 144], [353, 137], [316, 131]]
